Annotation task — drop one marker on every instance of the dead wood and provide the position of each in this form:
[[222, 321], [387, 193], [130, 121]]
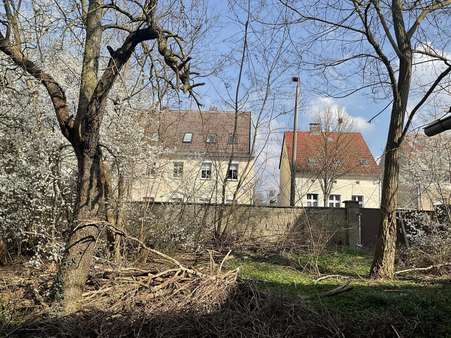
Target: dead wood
[[428, 268], [330, 276]]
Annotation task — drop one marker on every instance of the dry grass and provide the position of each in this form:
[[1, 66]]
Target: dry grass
[[155, 302], [164, 297]]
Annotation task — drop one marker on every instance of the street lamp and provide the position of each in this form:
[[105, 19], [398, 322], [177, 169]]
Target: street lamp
[[294, 145]]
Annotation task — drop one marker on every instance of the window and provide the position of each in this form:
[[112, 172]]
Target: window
[[334, 201], [178, 169], [232, 173], [311, 161], [204, 200], [148, 199], [154, 137], [151, 169], [363, 162], [312, 200], [205, 171], [211, 138], [188, 138], [176, 200], [233, 139], [358, 198]]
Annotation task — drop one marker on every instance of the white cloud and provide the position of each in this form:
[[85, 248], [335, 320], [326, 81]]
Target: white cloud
[[425, 71], [322, 105], [267, 151]]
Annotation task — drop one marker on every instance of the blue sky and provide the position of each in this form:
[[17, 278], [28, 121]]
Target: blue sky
[[226, 37], [221, 52]]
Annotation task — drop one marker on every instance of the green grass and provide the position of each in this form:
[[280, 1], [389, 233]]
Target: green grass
[[416, 307]]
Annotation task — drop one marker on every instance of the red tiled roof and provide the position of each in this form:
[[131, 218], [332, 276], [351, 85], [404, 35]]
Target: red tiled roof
[[174, 124], [350, 148]]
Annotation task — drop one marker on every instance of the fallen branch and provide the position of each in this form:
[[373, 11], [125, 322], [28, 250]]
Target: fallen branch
[[330, 276], [437, 266], [337, 290], [122, 233], [333, 292]]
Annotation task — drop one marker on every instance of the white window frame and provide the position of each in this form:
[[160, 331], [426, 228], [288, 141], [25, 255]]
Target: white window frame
[[205, 167], [187, 138], [155, 137], [356, 199], [312, 200], [364, 161], [177, 173], [334, 201], [230, 170]]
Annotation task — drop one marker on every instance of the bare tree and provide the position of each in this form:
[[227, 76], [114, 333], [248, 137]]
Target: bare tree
[[373, 45], [139, 22], [331, 157]]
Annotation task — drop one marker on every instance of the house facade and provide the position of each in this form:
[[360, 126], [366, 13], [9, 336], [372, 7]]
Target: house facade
[[425, 172], [331, 167], [205, 157]]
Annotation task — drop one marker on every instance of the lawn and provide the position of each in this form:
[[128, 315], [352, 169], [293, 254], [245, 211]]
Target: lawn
[[412, 307]]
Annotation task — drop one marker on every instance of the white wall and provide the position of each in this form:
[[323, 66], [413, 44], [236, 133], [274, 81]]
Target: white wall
[[164, 187], [345, 187]]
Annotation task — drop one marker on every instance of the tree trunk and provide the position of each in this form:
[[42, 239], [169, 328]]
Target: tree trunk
[[383, 265], [90, 211]]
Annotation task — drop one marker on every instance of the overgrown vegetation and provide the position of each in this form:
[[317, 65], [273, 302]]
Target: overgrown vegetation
[[275, 295], [408, 306]]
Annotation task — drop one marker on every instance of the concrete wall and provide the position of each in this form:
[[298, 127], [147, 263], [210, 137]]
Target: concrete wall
[[249, 224]]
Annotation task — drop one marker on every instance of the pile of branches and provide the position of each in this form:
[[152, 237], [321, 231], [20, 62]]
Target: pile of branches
[[168, 289], [114, 295]]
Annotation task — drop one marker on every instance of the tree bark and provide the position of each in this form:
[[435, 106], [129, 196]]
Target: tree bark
[[82, 243], [383, 265]]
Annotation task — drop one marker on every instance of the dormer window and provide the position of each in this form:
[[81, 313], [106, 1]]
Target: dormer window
[[363, 162], [188, 138], [211, 138]]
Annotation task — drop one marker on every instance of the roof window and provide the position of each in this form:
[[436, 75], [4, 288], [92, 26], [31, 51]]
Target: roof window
[[233, 139], [187, 138], [211, 138]]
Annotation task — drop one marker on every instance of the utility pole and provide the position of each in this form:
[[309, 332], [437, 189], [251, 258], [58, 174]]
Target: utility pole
[[294, 145]]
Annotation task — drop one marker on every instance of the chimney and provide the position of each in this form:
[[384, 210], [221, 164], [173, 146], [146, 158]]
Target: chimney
[[315, 127]]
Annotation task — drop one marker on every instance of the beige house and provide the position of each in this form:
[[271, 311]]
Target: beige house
[[425, 172], [205, 158], [331, 167]]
